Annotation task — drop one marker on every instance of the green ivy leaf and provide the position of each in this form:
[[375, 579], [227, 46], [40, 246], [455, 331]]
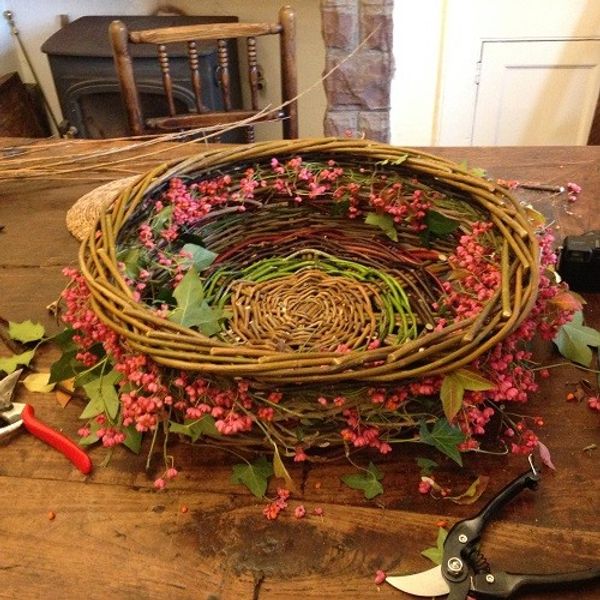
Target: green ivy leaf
[[473, 381], [195, 429], [162, 218], [439, 224], [200, 257], [574, 338], [65, 367], [130, 257], [385, 222], [26, 331], [451, 395], [444, 437], [254, 476], [133, 439], [64, 339], [192, 310], [367, 481], [103, 396], [92, 437], [436, 553], [426, 465], [10, 364]]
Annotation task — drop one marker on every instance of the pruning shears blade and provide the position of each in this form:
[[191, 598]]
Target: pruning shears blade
[[7, 388], [427, 583]]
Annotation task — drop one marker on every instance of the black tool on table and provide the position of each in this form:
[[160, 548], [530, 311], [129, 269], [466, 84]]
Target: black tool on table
[[464, 571]]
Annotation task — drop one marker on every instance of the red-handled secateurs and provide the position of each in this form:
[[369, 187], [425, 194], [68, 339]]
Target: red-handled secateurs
[[15, 414]]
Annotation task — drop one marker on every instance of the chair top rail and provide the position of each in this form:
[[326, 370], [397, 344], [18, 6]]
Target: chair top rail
[[212, 31]]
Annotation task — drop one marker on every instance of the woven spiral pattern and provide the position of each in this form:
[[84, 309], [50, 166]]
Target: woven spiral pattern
[[298, 312], [289, 301]]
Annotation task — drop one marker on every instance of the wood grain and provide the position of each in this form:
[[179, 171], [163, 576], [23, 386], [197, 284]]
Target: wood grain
[[114, 536]]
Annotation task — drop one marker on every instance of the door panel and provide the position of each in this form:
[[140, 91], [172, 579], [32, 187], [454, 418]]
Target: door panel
[[536, 92]]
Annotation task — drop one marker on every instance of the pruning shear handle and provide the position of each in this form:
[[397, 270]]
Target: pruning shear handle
[[56, 439]]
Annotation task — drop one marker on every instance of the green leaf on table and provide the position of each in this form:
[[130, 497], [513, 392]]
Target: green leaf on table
[[9, 364], [255, 476], [574, 339], [436, 553], [368, 481], [38, 382], [444, 437], [196, 428], [103, 396], [439, 224], [472, 493], [385, 222], [426, 465], [26, 331], [199, 258], [192, 310], [133, 439], [451, 395]]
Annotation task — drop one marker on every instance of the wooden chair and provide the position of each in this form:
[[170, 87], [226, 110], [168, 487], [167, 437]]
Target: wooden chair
[[121, 38]]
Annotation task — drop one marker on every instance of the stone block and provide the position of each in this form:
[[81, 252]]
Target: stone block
[[341, 123], [375, 20], [375, 125], [362, 81], [340, 24]]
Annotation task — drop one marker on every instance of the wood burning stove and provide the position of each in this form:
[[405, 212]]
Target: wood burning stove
[[82, 66]]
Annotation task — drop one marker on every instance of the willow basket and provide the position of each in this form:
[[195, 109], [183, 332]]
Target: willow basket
[[430, 352]]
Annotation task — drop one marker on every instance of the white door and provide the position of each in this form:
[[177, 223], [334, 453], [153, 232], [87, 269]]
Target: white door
[[494, 71], [536, 92]]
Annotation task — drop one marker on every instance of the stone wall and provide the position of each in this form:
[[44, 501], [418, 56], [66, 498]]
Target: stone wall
[[358, 93]]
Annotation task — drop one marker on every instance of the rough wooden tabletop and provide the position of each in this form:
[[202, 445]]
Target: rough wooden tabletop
[[113, 536]]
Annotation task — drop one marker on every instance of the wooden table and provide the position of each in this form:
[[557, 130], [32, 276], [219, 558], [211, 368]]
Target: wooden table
[[113, 536]]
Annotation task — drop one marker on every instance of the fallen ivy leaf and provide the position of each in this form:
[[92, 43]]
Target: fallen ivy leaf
[[63, 398], [10, 364], [472, 493], [567, 300], [426, 465], [38, 382], [435, 553], [368, 481], [255, 476], [280, 471], [574, 339], [444, 437], [26, 331]]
